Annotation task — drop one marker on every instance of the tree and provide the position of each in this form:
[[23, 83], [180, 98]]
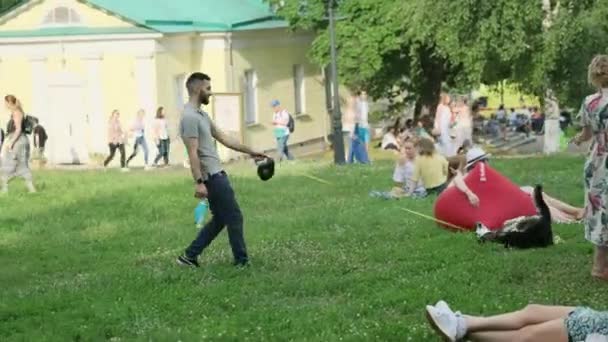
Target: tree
[[6, 5], [393, 46], [418, 46]]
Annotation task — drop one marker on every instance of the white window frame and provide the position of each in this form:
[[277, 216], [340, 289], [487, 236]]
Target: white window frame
[[299, 88], [71, 13], [250, 85]]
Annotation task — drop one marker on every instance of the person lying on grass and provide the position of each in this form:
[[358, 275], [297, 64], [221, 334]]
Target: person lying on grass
[[538, 323], [560, 212]]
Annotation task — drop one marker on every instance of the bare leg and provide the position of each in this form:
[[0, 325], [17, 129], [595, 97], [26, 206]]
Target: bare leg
[[551, 331], [600, 263], [577, 213], [560, 210], [530, 315]]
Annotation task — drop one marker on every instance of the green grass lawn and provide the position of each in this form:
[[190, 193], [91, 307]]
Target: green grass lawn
[[91, 257]]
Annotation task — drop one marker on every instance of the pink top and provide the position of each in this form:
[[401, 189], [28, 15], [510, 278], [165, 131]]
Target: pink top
[[115, 132]]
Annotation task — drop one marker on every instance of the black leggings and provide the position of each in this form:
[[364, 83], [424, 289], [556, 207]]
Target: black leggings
[[113, 148]]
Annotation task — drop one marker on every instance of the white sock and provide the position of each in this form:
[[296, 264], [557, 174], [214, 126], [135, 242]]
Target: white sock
[[461, 326]]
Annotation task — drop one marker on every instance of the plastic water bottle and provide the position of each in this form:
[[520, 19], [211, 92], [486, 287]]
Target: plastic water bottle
[[199, 213]]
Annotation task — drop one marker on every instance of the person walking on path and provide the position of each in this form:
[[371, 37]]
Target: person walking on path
[[199, 133], [116, 140], [161, 137], [16, 148], [139, 131]]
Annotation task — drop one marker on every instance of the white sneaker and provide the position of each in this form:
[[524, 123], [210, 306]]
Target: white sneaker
[[125, 169], [443, 321], [442, 305], [148, 168], [481, 230]]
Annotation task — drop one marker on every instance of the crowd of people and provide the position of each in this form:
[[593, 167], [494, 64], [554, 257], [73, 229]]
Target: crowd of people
[[118, 138], [16, 151], [431, 156], [528, 120], [537, 322]]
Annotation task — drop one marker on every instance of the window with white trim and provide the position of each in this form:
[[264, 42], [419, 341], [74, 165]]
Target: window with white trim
[[62, 16], [299, 89], [251, 97]]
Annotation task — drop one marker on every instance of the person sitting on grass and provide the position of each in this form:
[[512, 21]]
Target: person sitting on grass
[[423, 127], [560, 212], [431, 168], [408, 132], [538, 323], [404, 171], [459, 161], [389, 140]]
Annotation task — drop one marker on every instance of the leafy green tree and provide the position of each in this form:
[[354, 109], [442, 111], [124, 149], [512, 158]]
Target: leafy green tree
[[390, 47]]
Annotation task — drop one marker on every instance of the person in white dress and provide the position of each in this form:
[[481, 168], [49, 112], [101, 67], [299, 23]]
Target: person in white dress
[[441, 128]]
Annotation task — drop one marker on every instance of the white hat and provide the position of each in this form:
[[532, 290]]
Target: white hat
[[476, 154]]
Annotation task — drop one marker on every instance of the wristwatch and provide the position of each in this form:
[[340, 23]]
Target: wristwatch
[[200, 181]]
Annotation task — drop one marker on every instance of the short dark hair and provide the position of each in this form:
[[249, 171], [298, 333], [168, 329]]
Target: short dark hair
[[194, 79]]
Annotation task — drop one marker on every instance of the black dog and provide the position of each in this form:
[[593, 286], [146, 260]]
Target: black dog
[[523, 232]]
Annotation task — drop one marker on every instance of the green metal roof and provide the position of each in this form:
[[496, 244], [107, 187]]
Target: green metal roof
[[172, 16], [192, 15], [72, 31]]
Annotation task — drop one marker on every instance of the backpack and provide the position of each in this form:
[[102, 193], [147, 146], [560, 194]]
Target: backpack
[[291, 124], [29, 122]]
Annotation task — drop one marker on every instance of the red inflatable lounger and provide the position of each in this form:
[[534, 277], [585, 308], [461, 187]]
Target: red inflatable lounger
[[499, 200]]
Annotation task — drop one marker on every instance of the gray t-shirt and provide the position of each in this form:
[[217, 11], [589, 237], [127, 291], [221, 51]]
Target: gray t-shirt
[[195, 123]]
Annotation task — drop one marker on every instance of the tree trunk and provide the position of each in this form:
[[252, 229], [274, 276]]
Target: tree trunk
[[433, 72]]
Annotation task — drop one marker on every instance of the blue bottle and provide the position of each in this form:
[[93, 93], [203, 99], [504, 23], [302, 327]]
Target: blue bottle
[[199, 213]]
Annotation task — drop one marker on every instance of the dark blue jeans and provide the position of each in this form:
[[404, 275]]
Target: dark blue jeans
[[357, 152], [163, 151], [226, 213], [283, 149], [140, 141]]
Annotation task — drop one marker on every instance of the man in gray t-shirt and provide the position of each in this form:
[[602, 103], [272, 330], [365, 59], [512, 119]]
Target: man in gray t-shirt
[[199, 134]]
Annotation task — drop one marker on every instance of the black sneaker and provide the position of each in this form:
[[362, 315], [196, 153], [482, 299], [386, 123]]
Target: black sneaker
[[185, 261], [241, 263]]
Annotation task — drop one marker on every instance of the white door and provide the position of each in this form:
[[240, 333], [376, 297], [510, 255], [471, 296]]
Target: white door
[[67, 142]]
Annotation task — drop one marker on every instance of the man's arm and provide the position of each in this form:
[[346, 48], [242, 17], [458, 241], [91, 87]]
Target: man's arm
[[584, 135], [195, 163], [231, 143], [462, 186]]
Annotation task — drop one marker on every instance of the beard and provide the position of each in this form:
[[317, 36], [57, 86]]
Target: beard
[[204, 99]]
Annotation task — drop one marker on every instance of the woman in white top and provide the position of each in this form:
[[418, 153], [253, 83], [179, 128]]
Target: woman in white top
[[390, 140], [404, 170], [441, 129], [464, 124], [161, 136]]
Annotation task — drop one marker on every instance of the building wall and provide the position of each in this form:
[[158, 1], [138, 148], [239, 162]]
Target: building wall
[[29, 17], [108, 74], [273, 54], [174, 64]]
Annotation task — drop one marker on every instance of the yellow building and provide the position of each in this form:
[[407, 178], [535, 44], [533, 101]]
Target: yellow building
[[71, 62]]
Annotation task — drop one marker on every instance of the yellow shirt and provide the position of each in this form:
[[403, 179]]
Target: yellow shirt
[[431, 170]]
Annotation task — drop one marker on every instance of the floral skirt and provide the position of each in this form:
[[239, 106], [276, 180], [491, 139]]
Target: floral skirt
[[583, 322]]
